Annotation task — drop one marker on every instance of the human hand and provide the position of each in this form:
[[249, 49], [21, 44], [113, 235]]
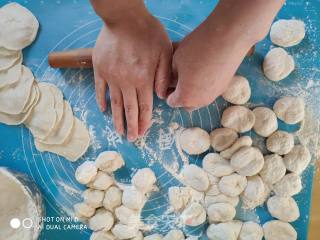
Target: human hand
[[129, 57]]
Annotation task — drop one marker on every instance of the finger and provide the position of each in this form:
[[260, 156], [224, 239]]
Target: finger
[[175, 45], [175, 99], [162, 77], [145, 101], [117, 109], [131, 111], [101, 88]]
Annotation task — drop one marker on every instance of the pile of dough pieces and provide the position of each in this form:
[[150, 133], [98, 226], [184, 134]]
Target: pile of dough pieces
[[237, 170], [278, 64], [39, 106]]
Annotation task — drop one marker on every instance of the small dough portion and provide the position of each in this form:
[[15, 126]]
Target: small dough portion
[[298, 159], [216, 165], [283, 208], [93, 197], [221, 198], [254, 190], [244, 141], [155, 236], [102, 181], [122, 231], [232, 185], [273, 169], [287, 33], [174, 235], [127, 216], [248, 161], [194, 140], [194, 215], [288, 186], [86, 172], [278, 64], [144, 180], [238, 118], [221, 231], [195, 177], [18, 26], [102, 220], [278, 230], [222, 138], [291, 110], [251, 231], [221, 212], [112, 198], [179, 197], [83, 210], [133, 198], [266, 121], [239, 91], [109, 161], [102, 235], [280, 142]]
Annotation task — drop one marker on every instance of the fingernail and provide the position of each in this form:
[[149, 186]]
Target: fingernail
[[131, 138]]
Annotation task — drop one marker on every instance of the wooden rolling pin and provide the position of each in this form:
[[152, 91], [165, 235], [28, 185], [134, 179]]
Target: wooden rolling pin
[[82, 58]]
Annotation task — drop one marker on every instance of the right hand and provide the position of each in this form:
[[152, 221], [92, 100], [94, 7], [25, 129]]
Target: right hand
[[128, 58]]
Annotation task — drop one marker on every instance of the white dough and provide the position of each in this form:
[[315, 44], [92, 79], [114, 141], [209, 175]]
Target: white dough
[[222, 138], [298, 159], [238, 118], [102, 235], [112, 198], [102, 220], [58, 102], [221, 212], [86, 172], [144, 180], [221, 231], [138, 237], [239, 91], [109, 161], [133, 198], [179, 197], [278, 230], [122, 231], [216, 165], [244, 141], [75, 145], [278, 64], [287, 33], [232, 185], [9, 59], [280, 142], [283, 208], [102, 181], [254, 190], [221, 198], [195, 177], [290, 109], [194, 215], [251, 231], [83, 210], [194, 140], [288, 186], [273, 169], [248, 161], [127, 216], [266, 121], [153, 237], [18, 26], [174, 235], [93, 197]]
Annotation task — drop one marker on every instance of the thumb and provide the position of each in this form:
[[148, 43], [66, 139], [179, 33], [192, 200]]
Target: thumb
[[175, 99], [162, 77]]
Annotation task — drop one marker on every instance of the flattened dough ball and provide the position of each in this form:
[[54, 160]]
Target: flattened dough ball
[[290, 109], [254, 190], [278, 64], [144, 180], [109, 161], [133, 198], [122, 231], [288, 186], [194, 140], [221, 212], [174, 235], [222, 138], [102, 220], [273, 169], [102, 181], [239, 91], [232, 185], [93, 197], [283, 208], [251, 231], [221, 231], [238, 118], [287, 33], [86, 172], [194, 215], [298, 159], [195, 177], [112, 198], [9, 59], [83, 210], [216, 165], [278, 230], [280, 142], [244, 141], [266, 121]]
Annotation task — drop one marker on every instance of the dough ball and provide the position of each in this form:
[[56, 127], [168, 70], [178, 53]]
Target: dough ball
[[273, 169], [122, 231], [155, 236], [102, 181], [251, 231], [109, 161], [283, 208], [102, 219], [288, 186], [194, 215], [238, 118], [213, 189], [254, 202], [102, 235], [280, 142], [278, 64], [287, 33], [221, 198], [221, 231], [254, 190], [144, 180], [132, 198], [93, 197], [127, 216], [195, 177], [222, 138], [138, 237], [179, 197], [221, 212], [216, 165], [232, 185], [239, 91], [18, 26], [248, 161], [278, 230], [86, 172], [83, 210], [244, 141], [266, 121], [174, 235], [112, 198], [298, 159], [290, 109], [194, 140]]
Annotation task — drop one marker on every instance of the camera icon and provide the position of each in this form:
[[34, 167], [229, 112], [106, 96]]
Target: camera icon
[[27, 223]]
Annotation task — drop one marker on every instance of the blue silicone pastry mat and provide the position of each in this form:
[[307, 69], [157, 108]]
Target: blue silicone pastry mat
[[67, 24]]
